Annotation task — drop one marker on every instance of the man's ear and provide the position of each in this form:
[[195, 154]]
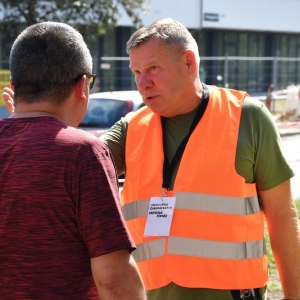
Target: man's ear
[[190, 60], [80, 88], [11, 85]]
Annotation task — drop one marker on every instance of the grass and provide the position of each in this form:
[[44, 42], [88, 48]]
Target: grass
[[274, 283], [297, 202]]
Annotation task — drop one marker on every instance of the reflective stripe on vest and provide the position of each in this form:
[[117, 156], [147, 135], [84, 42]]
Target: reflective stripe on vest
[[199, 248], [217, 234], [193, 201]]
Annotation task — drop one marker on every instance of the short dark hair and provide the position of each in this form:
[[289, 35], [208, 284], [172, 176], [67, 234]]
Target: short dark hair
[[44, 60]]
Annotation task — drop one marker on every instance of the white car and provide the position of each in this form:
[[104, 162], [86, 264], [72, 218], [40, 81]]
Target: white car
[[106, 108]]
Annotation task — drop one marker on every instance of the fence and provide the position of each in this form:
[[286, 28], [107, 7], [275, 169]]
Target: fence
[[252, 74]]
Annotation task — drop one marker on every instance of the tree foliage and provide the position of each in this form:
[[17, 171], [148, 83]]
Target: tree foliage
[[90, 17]]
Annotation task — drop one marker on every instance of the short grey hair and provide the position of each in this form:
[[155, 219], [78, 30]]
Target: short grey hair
[[169, 31], [45, 59]]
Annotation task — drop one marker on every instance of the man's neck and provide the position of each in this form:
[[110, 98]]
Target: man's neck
[[33, 114]]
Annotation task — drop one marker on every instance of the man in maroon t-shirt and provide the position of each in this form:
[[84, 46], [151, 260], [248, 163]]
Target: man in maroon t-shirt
[[62, 234]]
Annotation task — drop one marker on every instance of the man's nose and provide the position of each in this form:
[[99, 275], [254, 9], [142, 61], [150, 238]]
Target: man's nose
[[143, 82]]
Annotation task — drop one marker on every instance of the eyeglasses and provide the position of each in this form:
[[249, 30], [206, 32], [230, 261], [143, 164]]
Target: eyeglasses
[[91, 77]]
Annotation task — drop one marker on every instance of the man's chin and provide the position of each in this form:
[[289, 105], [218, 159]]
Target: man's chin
[[155, 109]]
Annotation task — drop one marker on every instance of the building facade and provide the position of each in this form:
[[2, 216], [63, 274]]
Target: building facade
[[243, 44]]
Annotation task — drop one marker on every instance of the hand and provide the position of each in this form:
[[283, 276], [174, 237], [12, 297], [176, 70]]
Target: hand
[[8, 96]]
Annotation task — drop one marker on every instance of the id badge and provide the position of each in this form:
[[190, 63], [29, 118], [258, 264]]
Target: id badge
[[160, 215]]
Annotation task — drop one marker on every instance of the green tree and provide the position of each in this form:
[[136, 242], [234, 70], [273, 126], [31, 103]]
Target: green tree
[[90, 17]]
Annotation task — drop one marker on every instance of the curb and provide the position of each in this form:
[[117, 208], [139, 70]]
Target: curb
[[288, 124], [288, 128], [290, 133]]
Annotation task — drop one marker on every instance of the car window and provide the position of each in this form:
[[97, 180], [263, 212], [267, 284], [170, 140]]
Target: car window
[[105, 112]]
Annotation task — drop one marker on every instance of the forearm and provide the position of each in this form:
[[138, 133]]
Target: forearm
[[123, 289], [285, 243], [118, 279], [281, 215]]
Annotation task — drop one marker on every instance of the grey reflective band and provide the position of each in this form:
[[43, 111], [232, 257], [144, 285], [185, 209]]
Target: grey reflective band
[[148, 250], [218, 204], [214, 249], [136, 209], [199, 202], [200, 248]]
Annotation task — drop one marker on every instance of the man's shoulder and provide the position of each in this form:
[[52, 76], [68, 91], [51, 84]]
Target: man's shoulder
[[257, 116], [252, 103], [254, 108], [124, 121], [80, 138], [225, 94]]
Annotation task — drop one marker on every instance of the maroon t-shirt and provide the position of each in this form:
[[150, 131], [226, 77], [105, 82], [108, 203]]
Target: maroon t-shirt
[[59, 207]]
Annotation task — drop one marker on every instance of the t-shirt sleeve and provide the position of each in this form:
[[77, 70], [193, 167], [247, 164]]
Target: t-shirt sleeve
[[115, 139], [99, 212], [260, 154]]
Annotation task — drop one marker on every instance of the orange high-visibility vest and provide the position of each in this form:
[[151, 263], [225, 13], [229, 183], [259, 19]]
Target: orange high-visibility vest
[[217, 234]]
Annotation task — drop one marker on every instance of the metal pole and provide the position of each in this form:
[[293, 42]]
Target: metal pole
[[274, 81], [226, 72], [274, 74]]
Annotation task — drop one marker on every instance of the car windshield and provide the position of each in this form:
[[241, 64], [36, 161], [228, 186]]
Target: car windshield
[[104, 113]]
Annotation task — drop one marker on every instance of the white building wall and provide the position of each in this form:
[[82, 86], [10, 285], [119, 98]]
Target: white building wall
[[256, 15], [187, 12]]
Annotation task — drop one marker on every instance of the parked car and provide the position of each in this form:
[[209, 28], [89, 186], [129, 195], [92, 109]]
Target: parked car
[[106, 108], [3, 112]]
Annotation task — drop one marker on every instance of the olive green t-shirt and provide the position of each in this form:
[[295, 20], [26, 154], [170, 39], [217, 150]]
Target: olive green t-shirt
[[259, 159]]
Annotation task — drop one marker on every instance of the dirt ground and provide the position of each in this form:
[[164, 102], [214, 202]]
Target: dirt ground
[[274, 286], [288, 116]]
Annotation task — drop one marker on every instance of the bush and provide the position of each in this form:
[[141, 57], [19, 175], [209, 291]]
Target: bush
[[297, 202]]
